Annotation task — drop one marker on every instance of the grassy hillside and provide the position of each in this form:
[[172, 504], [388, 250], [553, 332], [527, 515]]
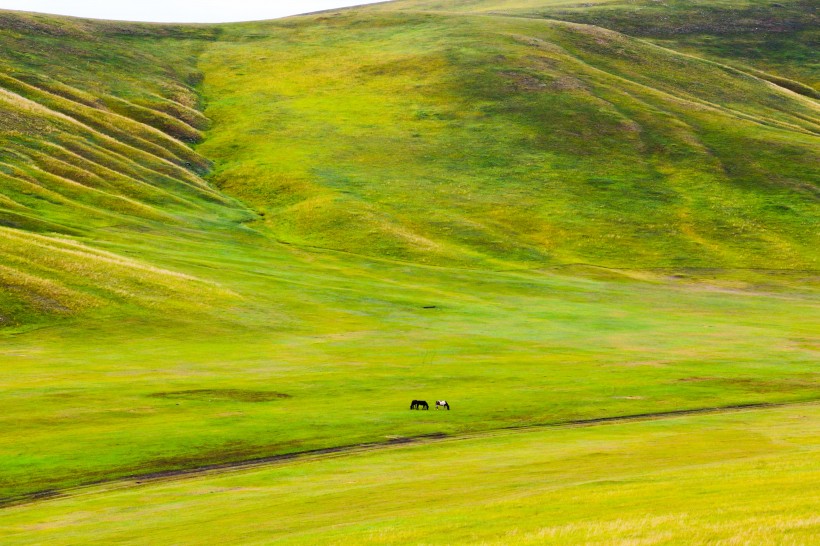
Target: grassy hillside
[[228, 242], [96, 126], [502, 142], [777, 37]]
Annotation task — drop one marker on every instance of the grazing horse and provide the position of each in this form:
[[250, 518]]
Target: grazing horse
[[442, 404], [418, 404]]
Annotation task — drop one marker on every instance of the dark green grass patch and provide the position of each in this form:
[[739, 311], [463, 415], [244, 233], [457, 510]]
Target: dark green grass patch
[[222, 395]]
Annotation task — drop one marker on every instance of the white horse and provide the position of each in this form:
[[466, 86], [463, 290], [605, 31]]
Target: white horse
[[442, 404]]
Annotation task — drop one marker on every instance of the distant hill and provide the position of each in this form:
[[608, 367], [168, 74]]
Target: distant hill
[[473, 134], [492, 140], [779, 37]]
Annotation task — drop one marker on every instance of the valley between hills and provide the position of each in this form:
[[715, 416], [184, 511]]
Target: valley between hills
[[231, 255]]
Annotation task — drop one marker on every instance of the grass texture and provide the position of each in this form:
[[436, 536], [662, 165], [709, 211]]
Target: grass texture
[[697, 479], [236, 241], [507, 142]]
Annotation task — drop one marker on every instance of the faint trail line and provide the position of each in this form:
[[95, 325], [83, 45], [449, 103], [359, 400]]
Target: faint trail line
[[137, 480], [536, 268]]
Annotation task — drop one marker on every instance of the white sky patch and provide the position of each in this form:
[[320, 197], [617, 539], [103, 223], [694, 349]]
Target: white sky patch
[[178, 11]]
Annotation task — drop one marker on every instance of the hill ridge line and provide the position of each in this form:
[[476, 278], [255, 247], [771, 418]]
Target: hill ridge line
[[748, 71], [136, 480]]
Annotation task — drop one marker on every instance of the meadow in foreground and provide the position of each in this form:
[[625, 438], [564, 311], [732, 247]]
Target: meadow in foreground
[[748, 478], [351, 344]]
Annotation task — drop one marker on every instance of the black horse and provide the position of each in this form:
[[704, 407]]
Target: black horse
[[419, 404]]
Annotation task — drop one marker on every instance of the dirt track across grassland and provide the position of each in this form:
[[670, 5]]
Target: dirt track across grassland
[[137, 480]]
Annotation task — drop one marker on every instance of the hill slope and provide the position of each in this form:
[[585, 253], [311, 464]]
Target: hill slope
[[509, 142], [96, 126], [481, 141], [779, 37]]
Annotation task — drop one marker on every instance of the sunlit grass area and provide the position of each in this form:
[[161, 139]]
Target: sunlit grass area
[[773, 36], [313, 351], [500, 142], [745, 478], [220, 243]]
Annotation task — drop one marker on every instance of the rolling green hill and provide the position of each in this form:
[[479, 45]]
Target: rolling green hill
[[506, 142], [775, 37], [96, 126], [454, 140], [220, 243]]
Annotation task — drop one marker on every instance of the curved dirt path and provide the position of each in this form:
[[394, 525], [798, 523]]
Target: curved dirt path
[[137, 480]]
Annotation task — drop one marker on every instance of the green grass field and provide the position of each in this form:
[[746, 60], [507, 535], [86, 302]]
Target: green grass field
[[704, 479], [220, 243]]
